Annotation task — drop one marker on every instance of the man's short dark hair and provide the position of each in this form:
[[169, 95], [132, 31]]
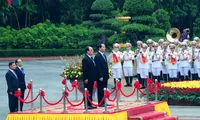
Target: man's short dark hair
[[87, 49], [10, 64], [16, 61], [99, 46]]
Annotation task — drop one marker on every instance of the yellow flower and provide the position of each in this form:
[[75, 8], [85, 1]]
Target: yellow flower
[[183, 84], [79, 73]]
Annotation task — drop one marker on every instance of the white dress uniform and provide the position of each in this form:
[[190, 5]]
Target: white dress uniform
[[198, 63], [143, 65], [116, 66], [177, 50], [184, 62], [128, 56], [137, 59], [193, 53], [165, 68], [172, 64], [150, 51], [156, 62]]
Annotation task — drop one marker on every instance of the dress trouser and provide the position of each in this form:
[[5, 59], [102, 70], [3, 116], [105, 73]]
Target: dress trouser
[[21, 103], [13, 103], [101, 86], [89, 87]]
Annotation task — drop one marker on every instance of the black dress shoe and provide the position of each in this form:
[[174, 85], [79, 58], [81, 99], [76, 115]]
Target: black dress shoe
[[126, 85], [91, 107], [104, 105], [142, 88], [113, 87]]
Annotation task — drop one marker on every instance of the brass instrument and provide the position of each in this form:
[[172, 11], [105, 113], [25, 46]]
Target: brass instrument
[[135, 60], [153, 55], [193, 59], [163, 60], [173, 34]]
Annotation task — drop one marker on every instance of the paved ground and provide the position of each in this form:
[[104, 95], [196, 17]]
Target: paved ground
[[45, 74]]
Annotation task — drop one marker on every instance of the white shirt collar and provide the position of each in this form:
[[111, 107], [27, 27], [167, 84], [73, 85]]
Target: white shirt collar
[[89, 56], [11, 70], [100, 52], [19, 67]]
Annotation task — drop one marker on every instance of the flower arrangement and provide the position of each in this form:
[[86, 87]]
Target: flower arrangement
[[184, 91], [73, 68]]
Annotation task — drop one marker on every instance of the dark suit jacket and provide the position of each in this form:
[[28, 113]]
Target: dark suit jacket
[[12, 82], [102, 66], [21, 77], [89, 69]]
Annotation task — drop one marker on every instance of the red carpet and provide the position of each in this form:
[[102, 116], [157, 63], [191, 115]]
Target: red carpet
[[147, 112], [128, 109]]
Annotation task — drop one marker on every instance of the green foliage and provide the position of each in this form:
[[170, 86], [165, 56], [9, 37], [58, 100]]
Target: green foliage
[[145, 19], [44, 35], [136, 28], [98, 16], [88, 23], [102, 5], [40, 52], [138, 7], [107, 22], [116, 38], [163, 19], [197, 27], [117, 24], [99, 31], [157, 31], [85, 43]]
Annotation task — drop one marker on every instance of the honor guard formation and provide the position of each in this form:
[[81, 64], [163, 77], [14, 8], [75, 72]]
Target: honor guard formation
[[162, 60]]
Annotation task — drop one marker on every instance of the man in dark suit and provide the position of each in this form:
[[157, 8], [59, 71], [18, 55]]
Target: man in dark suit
[[21, 76], [89, 72], [12, 83], [102, 71]]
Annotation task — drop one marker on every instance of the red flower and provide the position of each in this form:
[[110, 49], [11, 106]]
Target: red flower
[[137, 84]]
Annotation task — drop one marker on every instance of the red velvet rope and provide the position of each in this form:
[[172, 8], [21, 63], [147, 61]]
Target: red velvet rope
[[52, 103], [22, 100], [18, 93], [116, 94], [29, 86], [29, 91], [129, 94], [64, 81], [75, 83], [137, 84], [112, 91], [96, 104], [80, 91], [152, 92], [69, 89], [119, 85], [74, 105]]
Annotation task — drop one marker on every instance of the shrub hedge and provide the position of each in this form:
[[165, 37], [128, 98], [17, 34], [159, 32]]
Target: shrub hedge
[[40, 52]]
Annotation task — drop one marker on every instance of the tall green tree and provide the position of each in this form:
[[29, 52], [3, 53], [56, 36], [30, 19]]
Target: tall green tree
[[143, 24], [182, 12]]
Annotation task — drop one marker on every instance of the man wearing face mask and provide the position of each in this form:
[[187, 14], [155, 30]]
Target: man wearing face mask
[[128, 56]]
